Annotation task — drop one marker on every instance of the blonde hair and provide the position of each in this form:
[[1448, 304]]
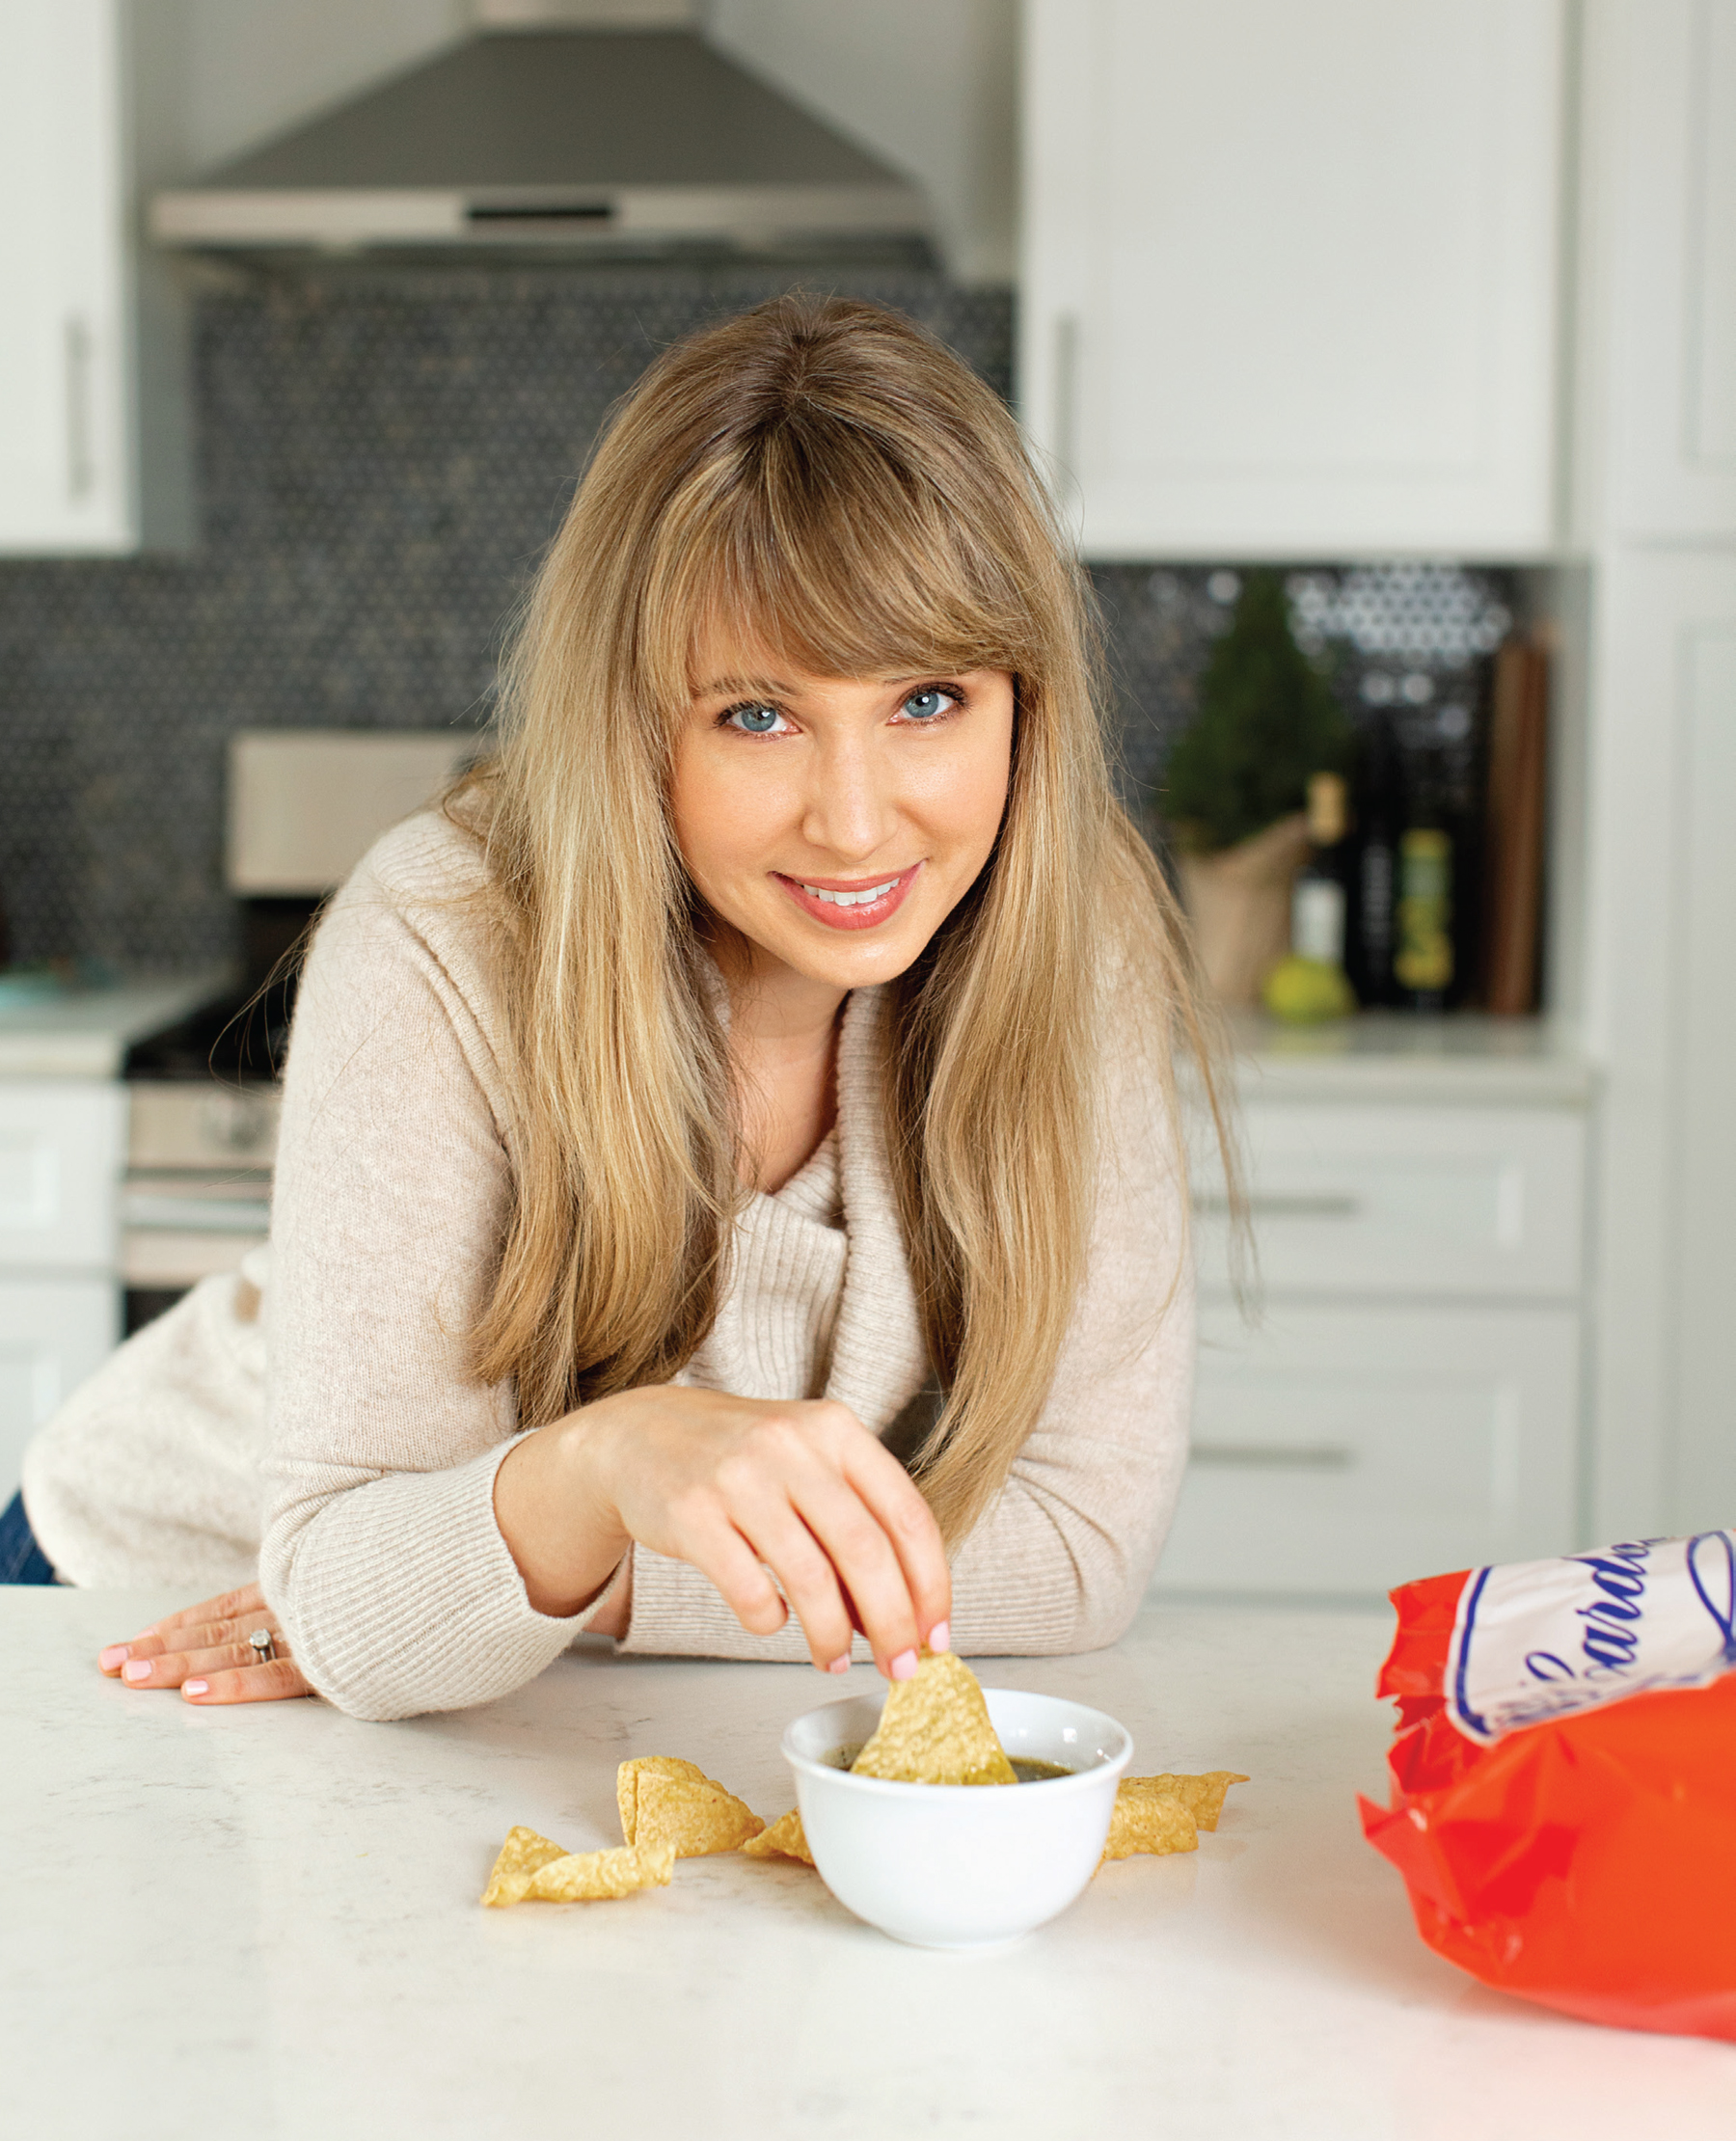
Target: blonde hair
[[837, 486]]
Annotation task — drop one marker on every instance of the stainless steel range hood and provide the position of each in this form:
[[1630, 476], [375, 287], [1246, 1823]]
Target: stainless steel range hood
[[606, 140]]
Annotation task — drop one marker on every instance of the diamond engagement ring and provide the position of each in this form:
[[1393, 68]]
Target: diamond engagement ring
[[264, 1648]]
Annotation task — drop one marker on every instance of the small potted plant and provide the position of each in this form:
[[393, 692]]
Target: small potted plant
[[1237, 783]]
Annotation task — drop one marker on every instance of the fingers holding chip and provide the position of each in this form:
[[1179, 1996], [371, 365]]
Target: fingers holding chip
[[934, 1728]]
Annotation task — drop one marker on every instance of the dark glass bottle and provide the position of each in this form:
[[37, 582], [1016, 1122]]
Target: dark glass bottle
[[1374, 888]]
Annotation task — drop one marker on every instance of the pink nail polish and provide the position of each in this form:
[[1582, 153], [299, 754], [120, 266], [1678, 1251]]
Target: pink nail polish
[[940, 1636], [840, 1665], [195, 1686], [903, 1666], [136, 1670], [113, 1657]]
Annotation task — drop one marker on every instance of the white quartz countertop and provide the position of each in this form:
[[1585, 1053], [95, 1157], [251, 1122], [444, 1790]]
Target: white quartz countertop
[[86, 1032], [263, 1922], [1461, 1058]]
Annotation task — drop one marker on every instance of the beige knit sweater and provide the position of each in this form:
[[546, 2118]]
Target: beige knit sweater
[[379, 1547]]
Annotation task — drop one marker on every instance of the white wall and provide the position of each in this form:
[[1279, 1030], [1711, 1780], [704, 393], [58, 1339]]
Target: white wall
[[255, 66], [928, 85]]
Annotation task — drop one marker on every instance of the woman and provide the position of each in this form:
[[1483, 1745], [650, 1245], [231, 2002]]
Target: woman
[[727, 1168]]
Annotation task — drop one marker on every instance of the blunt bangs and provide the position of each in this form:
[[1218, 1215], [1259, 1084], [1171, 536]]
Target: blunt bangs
[[819, 545]]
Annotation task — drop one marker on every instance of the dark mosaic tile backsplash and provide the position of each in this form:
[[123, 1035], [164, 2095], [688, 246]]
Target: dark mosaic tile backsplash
[[381, 457]]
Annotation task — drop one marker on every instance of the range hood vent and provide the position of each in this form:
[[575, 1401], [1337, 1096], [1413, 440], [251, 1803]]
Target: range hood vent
[[601, 140]]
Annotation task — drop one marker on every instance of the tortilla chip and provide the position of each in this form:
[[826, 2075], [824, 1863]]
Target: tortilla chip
[[667, 1801], [595, 1876], [935, 1730], [522, 1854], [1149, 1820], [784, 1839], [627, 1779], [1202, 1795]]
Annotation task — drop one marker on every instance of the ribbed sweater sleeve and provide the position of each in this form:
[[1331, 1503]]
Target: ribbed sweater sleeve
[[381, 1554]]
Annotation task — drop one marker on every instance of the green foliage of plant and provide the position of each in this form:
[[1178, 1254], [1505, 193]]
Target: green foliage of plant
[[1267, 720]]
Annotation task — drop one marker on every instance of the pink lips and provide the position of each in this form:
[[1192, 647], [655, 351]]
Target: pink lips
[[866, 916]]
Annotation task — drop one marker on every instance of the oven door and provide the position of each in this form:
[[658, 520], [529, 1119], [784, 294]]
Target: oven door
[[198, 1190]]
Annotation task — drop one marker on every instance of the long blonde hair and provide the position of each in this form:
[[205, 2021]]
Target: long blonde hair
[[833, 483]]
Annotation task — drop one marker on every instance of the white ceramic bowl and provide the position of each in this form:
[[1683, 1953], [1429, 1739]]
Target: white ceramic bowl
[[951, 1866]]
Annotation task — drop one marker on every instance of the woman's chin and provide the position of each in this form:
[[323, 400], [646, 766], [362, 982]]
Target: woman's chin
[[848, 958]]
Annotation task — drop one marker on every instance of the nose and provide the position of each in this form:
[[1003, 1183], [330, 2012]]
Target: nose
[[851, 809]]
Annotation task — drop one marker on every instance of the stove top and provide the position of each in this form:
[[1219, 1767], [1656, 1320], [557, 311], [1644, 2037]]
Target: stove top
[[242, 1037]]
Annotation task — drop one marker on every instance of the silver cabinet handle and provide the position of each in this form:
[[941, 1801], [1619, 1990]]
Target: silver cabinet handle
[[81, 458], [1276, 1205], [1275, 1456]]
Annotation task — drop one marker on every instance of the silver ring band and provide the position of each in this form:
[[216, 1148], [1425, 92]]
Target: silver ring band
[[264, 1648]]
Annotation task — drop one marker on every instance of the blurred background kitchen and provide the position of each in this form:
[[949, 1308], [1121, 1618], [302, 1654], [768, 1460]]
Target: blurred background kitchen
[[1384, 360]]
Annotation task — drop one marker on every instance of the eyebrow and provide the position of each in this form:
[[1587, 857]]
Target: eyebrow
[[727, 686], [723, 686]]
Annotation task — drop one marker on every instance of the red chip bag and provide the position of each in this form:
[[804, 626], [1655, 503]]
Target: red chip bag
[[1564, 1778]]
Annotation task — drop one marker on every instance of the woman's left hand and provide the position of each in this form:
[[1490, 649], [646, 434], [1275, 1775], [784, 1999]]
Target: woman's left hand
[[204, 1652]]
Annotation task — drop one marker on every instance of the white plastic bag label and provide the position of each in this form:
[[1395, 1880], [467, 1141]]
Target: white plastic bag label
[[1538, 1640]]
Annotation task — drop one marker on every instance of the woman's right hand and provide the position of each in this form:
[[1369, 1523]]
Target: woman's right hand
[[748, 1492]]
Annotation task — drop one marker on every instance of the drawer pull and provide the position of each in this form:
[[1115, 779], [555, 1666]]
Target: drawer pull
[[1275, 1456], [1275, 1204], [204, 1215]]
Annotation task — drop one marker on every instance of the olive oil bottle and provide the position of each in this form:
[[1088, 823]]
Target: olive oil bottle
[[1375, 878], [1424, 966]]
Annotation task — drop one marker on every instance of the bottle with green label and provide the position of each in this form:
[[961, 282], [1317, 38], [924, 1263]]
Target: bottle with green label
[[1423, 960]]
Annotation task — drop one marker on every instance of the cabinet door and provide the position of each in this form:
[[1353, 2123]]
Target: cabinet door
[[52, 1336], [62, 1149], [1291, 272], [1662, 1017], [1346, 1450], [64, 324], [1661, 163]]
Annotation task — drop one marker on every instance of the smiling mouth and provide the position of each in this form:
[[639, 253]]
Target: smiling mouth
[[842, 905], [863, 897]]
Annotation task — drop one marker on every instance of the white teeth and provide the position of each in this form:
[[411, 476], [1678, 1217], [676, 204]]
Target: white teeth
[[852, 899]]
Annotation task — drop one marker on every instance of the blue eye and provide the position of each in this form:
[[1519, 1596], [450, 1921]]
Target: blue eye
[[926, 704], [756, 720]]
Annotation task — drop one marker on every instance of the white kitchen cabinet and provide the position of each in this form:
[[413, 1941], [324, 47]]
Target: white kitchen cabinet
[[62, 1151], [1407, 1397], [53, 1333], [92, 452], [1661, 202], [1656, 515], [1662, 1005], [1403, 1200], [1289, 274], [1341, 1450]]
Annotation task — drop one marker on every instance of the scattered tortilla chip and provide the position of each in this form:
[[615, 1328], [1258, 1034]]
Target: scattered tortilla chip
[[1202, 1795], [627, 1782], [935, 1730], [521, 1856], [595, 1876], [1147, 1821], [784, 1839], [667, 1801]]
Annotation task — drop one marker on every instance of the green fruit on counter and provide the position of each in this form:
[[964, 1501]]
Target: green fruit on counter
[[1303, 991]]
